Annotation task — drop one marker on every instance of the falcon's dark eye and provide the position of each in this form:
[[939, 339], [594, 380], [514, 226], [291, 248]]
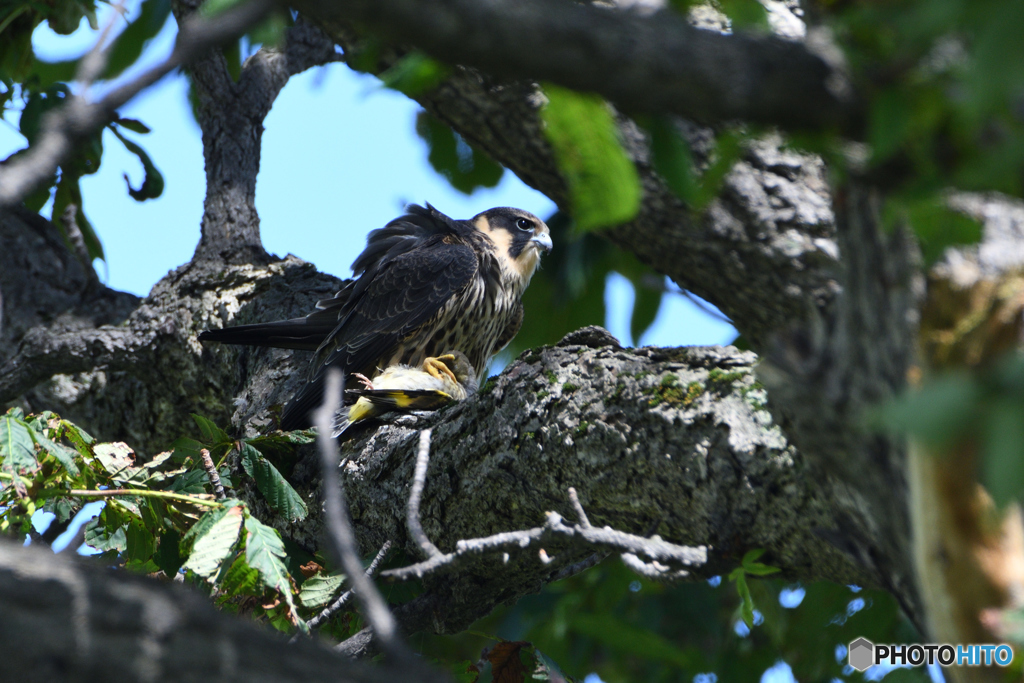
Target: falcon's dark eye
[[524, 224]]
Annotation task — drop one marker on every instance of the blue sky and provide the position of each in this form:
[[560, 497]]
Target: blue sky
[[340, 158]]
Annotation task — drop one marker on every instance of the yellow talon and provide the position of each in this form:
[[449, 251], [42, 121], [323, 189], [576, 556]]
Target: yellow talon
[[435, 366]]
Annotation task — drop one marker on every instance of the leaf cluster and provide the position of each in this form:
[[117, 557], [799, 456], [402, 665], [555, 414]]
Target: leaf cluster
[[161, 517]]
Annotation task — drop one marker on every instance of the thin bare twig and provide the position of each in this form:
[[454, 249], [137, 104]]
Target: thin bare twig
[[78, 118], [581, 514], [211, 472], [412, 517], [333, 608], [339, 528]]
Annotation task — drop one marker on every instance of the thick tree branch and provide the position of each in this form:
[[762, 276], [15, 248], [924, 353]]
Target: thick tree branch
[[656, 63], [44, 352], [231, 117], [675, 443], [66, 619], [583, 533]]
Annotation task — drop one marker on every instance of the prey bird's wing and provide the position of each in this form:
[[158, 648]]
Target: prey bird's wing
[[388, 304]]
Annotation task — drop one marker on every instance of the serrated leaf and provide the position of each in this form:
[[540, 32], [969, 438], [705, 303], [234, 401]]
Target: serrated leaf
[[240, 578], [16, 445], [115, 457], [212, 435], [212, 547], [107, 530], [318, 591], [64, 455], [203, 525], [193, 481], [264, 551], [140, 543], [184, 448], [275, 488], [168, 552], [604, 187]]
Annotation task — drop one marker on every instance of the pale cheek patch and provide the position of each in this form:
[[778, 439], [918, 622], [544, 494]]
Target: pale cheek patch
[[525, 265]]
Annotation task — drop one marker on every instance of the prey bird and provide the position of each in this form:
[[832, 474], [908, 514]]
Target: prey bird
[[438, 382], [424, 285]]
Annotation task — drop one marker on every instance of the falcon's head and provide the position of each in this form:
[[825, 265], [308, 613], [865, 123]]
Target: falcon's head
[[518, 236]]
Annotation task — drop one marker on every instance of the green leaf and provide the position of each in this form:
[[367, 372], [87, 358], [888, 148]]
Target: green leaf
[[203, 525], [604, 187], [619, 635], [745, 13], [758, 569], [240, 578], [275, 488], [265, 553], [672, 159], [16, 445], [115, 457], [1002, 469], [212, 435], [751, 555], [271, 31], [134, 39], [747, 606], [70, 192], [153, 184], [415, 74], [193, 481], [465, 167], [168, 552], [212, 8], [107, 530], [941, 411], [646, 304], [39, 103], [936, 225], [140, 543], [133, 125], [213, 546], [318, 591], [64, 455]]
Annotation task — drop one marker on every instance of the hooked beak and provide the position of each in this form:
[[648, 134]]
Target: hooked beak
[[543, 241]]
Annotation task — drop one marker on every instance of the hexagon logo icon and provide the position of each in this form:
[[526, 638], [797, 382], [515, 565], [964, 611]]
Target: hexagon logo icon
[[861, 654]]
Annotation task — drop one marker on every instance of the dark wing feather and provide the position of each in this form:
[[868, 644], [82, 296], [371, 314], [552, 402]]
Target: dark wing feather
[[401, 235], [401, 293]]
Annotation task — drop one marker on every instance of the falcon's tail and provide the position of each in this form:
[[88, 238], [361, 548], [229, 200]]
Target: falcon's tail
[[298, 333]]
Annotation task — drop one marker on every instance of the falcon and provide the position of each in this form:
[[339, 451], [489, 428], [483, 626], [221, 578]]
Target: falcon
[[425, 284], [438, 382]]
